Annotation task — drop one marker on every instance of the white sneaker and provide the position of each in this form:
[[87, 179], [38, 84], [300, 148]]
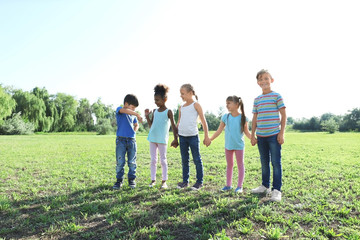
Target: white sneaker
[[275, 196], [261, 189], [164, 185], [152, 184]]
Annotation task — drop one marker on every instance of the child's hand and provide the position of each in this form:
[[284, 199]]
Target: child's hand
[[253, 141], [139, 118], [175, 143], [280, 139], [207, 141], [147, 112]]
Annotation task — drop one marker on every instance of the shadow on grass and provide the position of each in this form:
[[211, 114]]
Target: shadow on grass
[[101, 213]]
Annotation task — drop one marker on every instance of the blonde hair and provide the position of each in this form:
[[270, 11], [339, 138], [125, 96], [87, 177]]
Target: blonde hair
[[261, 72], [189, 88]]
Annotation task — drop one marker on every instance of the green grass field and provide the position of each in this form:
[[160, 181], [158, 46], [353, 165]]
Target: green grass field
[[59, 187]]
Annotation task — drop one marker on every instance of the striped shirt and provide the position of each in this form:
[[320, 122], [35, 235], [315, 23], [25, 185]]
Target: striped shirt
[[267, 108]]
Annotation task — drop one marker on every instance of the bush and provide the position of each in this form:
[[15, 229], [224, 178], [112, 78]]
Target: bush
[[330, 125], [16, 126], [104, 127]]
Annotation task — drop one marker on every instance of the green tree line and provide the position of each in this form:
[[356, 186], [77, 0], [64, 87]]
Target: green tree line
[[24, 112], [329, 122]]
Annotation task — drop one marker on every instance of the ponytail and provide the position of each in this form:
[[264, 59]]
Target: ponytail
[[243, 117]]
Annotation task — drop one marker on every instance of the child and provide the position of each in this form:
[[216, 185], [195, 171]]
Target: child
[[189, 135], [159, 132], [127, 125], [270, 130], [236, 126]]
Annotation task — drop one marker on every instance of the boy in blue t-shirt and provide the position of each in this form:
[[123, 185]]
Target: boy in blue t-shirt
[[127, 125]]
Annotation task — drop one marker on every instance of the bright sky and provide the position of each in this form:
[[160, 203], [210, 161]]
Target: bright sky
[[91, 49]]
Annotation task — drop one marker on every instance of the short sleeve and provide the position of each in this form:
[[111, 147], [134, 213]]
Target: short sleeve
[[254, 107], [224, 118], [279, 102]]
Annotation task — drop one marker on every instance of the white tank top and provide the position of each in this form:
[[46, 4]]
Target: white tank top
[[188, 121]]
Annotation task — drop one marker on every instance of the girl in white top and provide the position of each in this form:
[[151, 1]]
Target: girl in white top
[[159, 133], [189, 135]]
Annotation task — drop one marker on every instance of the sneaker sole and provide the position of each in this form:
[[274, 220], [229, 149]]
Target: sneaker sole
[[266, 192]]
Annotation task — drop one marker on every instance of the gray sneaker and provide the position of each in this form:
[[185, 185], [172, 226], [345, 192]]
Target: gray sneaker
[[182, 185], [117, 185], [197, 186]]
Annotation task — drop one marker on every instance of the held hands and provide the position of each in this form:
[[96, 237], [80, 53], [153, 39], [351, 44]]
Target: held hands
[[207, 141], [175, 143], [253, 140]]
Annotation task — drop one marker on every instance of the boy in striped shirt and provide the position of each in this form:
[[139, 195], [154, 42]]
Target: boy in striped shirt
[[270, 128]]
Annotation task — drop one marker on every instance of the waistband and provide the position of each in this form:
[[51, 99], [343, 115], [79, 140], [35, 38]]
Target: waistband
[[130, 138]]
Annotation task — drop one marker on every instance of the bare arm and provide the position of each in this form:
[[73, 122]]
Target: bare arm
[[281, 134], [130, 112], [174, 128], [136, 127], [253, 130], [218, 131], [203, 123], [246, 131], [177, 125], [175, 142], [147, 115]]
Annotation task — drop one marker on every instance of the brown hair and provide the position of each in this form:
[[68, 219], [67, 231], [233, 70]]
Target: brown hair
[[238, 100], [261, 72], [190, 88]]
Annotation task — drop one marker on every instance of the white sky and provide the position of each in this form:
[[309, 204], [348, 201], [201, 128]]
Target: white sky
[[91, 49]]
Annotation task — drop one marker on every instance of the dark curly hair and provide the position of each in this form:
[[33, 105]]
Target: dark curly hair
[[161, 90]]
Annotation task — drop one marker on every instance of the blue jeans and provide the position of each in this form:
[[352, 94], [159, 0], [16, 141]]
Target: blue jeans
[[192, 143], [270, 150], [125, 146]]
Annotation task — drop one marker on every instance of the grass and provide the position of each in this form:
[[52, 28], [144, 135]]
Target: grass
[[56, 186]]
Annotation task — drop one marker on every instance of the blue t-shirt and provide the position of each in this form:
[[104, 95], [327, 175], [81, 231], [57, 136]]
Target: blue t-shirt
[[234, 138], [125, 124]]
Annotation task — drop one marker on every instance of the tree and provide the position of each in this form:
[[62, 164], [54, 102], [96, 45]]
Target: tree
[[212, 120], [32, 109], [84, 120], [66, 106], [99, 109], [314, 124], [351, 121], [7, 104], [330, 125], [221, 112], [290, 121], [46, 124]]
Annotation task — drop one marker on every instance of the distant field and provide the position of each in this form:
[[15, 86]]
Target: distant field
[[59, 187]]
